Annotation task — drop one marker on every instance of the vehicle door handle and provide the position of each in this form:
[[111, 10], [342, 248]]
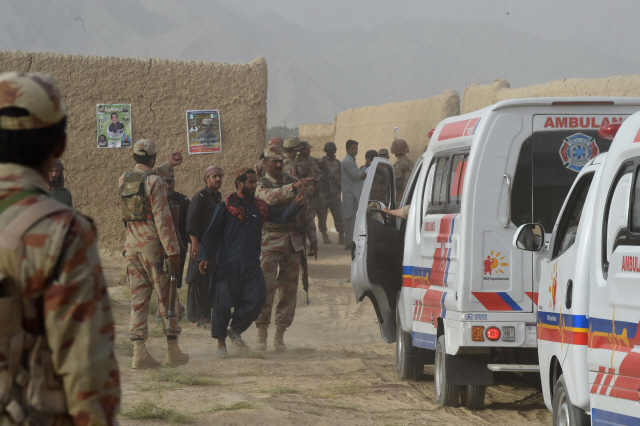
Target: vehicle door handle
[[568, 299]]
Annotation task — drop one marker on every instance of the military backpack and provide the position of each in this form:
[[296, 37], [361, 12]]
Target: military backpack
[[134, 199]]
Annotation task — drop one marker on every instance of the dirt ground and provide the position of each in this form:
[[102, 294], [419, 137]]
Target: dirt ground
[[337, 371]]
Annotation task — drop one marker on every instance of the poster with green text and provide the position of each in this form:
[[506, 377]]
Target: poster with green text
[[114, 125]]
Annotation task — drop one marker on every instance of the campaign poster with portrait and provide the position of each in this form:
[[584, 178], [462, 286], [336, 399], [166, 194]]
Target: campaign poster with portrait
[[114, 125], [203, 131]]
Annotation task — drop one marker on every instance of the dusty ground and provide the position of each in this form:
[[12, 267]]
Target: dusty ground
[[338, 370]]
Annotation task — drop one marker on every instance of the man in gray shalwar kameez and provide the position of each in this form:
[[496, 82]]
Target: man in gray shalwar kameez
[[352, 183]]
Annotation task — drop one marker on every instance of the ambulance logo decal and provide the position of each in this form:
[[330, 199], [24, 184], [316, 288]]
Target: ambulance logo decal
[[577, 150], [554, 286], [494, 263]]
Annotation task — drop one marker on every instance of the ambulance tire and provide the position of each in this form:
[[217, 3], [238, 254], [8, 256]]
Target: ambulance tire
[[404, 347], [564, 412], [446, 395], [472, 396]]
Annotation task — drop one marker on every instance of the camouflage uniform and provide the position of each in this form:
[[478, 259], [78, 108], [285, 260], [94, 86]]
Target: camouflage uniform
[[55, 288], [380, 186], [289, 166], [147, 242], [403, 168], [282, 246], [328, 199], [309, 167]]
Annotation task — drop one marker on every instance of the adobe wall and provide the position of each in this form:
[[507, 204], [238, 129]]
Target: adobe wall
[[317, 135], [373, 126], [478, 96], [160, 92]]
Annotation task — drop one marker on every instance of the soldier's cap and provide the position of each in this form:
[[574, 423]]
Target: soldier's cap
[[305, 144], [291, 143], [274, 151], [208, 121], [145, 147], [172, 177], [274, 141], [383, 151], [37, 93]]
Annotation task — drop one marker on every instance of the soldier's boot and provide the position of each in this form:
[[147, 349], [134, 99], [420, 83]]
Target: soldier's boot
[[175, 357], [341, 238], [261, 343], [325, 238], [141, 357], [278, 339]]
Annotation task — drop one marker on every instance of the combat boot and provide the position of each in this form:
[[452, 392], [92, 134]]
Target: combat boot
[[278, 339], [174, 356], [341, 238], [325, 238], [141, 357], [261, 343]]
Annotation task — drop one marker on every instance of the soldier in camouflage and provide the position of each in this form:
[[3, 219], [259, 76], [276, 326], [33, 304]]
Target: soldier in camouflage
[[57, 361], [384, 153], [282, 246], [291, 147], [330, 189], [259, 166], [152, 250], [402, 167], [308, 167]]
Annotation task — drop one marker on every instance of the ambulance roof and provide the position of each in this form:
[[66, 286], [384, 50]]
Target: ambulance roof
[[458, 131]]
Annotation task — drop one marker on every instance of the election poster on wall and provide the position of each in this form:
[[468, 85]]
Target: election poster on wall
[[203, 131], [114, 125]]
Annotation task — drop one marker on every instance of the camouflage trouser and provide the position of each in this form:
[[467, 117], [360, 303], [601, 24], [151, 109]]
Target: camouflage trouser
[[326, 202], [143, 281], [281, 269]]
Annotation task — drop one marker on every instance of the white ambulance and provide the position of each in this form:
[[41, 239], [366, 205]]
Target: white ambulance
[[589, 298], [447, 285]]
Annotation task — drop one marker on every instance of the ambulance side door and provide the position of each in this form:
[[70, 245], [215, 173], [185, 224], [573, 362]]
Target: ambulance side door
[[559, 328], [376, 267], [615, 315]]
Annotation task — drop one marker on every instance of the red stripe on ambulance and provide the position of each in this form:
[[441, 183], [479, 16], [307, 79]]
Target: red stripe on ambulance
[[458, 129]]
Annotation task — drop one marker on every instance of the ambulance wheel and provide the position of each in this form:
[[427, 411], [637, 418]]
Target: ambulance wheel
[[564, 412], [446, 394], [404, 347], [472, 396]]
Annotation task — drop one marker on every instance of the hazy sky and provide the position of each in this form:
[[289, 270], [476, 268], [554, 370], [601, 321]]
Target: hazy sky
[[612, 24], [326, 56]]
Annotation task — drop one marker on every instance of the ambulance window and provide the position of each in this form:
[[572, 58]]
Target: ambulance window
[[548, 164], [428, 187], [635, 211], [440, 183], [458, 169], [568, 226], [617, 212]]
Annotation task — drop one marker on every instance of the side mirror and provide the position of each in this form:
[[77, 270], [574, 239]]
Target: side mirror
[[529, 237]]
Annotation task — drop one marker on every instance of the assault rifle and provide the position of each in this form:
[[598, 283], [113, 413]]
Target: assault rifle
[[303, 255]]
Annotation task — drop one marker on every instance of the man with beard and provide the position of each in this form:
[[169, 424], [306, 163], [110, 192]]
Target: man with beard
[[56, 184], [259, 166], [282, 248], [207, 137], [202, 286], [236, 228]]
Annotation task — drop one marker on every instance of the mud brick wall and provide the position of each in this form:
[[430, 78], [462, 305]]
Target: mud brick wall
[[160, 92]]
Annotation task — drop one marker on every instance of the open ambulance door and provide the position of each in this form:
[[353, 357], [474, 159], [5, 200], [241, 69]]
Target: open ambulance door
[[376, 269]]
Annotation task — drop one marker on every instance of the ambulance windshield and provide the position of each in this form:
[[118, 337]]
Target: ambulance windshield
[[548, 164]]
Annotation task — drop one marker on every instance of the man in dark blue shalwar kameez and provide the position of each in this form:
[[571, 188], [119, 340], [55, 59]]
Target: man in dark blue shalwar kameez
[[237, 226]]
